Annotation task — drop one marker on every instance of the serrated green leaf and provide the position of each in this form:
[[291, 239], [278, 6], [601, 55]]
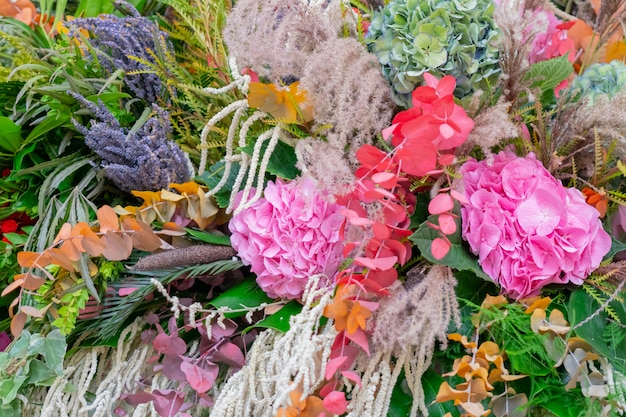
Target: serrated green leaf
[[245, 294], [548, 74], [458, 257], [279, 320]]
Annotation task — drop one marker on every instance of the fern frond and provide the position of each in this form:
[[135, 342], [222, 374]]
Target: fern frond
[[601, 299]]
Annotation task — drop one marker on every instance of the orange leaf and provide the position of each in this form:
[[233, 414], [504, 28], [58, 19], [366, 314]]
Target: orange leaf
[[536, 303], [64, 233], [17, 324], [32, 311], [86, 240], [31, 282], [447, 393], [71, 249], [59, 257], [117, 247], [172, 229], [143, 236], [108, 219], [188, 187], [33, 259], [17, 283], [462, 339]]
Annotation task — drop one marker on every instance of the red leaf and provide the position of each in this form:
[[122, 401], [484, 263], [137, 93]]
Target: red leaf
[[230, 354], [385, 179], [447, 224], [200, 379], [336, 402], [168, 402], [381, 231], [360, 338], [376, 264], [417, 161], [440, 248], [441, 203], [333, 365], [459, 197], [169, 345], [352, 376]]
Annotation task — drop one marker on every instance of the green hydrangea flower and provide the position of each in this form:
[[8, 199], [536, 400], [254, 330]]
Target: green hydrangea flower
[[443, 37], [601, 79]]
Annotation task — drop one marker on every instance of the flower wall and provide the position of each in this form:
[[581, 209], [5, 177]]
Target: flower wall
[[312, 208]]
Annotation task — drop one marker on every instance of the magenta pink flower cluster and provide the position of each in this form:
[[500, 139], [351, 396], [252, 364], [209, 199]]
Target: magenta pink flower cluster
[[526, 228], [288, 236]]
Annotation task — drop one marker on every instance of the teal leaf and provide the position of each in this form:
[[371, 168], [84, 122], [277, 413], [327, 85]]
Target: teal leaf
[[279, 320], [10, 135], [458, 258], [245, 294]]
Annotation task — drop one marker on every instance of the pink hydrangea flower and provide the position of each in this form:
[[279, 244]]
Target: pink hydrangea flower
[[526, 228], [288, 236]]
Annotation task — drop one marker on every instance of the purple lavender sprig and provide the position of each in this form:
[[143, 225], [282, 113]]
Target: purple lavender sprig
[[118, 39], [145, 160]]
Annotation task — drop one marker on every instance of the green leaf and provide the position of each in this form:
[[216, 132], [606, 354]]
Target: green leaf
[[208, 237], [616, 247], [279, 320], [458, 257], [548, 74], [40, 374], [10, 135], [402, 398], [581, 306], [52, 347], [282, 162], [212, 177], [245, 294], [49, 123], [18, 159]]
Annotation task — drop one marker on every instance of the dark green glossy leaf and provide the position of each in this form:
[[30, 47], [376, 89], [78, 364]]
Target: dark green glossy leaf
[[48, 124], [580, 307], [402, 399], [616, 246], [212, 177], [245, 294], [279, 320], [282, 162]]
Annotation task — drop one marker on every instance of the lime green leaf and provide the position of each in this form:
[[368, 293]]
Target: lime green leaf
[[245, 294], [10, 134], [458, 258], [279, 320]]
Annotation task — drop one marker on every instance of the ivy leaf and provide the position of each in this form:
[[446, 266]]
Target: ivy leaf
[[245, 294], [279, 320], [548, 74], [52, 347], [282, 162], [458, 257]]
